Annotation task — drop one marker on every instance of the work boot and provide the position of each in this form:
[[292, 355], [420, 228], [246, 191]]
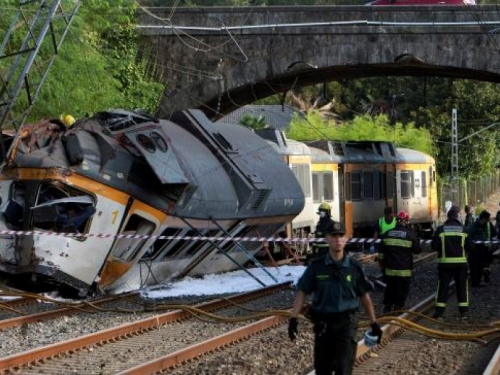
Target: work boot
[[487, 275]]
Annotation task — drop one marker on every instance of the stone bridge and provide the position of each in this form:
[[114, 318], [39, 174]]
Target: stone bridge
[[218, 59]]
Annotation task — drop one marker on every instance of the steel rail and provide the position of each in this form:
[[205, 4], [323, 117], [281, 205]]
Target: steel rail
[[46, 315], [191, 352], [174, 359], [493, 367], [38, 354]]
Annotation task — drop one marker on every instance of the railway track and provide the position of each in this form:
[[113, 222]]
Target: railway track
[[112, 351], [400, 345], [27, 310]]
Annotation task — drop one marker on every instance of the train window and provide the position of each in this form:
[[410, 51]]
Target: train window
[[128, 248], [328, 186], [159, 141], [315, 181], [356, 186], [60, 208], [407, 185], [412, 185], [432, 175], [160, 244], [181, 244], [424, 185], [303, 175], [146, 143], [202, 244], [377, 188], [14, 211], [367, 185], [347, 186]]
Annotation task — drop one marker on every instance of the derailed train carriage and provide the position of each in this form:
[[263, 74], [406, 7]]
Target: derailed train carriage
[[359, 179], [122, 172]]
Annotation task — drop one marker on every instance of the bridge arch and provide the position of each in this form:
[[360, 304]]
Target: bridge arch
[[219, 68]]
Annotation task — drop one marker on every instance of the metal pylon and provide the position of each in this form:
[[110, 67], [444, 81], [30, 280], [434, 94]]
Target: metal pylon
[[454, 144], [26, 55]]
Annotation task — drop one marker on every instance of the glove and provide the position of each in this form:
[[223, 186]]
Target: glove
[[292, 328], [372, 249], [376, 331]]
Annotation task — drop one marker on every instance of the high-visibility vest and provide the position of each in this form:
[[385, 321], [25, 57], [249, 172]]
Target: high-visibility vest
[[384, 227], [443, 257]]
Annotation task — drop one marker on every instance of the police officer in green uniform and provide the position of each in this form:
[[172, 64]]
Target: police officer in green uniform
[[325, 220], [339, 285]]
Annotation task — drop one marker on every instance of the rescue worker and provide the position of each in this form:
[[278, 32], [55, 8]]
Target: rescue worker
[[325, 220], [497, 219], [481, 254], [469, 217], [396, 261], [385, 223], [338, 284], [450, 242]]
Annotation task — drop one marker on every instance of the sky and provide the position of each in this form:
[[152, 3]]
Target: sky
[[230, 282]]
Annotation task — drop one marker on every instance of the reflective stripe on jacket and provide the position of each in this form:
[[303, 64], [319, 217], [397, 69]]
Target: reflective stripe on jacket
[[450, 243], [396, 251]]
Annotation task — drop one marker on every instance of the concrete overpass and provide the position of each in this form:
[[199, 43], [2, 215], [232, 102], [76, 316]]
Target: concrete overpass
[[218, 59]]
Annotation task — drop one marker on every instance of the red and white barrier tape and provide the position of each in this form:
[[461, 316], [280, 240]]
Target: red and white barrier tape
[[195, 238]]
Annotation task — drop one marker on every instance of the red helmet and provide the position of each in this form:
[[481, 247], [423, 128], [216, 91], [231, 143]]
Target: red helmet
[[403, 215]]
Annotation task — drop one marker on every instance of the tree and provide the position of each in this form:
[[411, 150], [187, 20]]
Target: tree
[[362, 128], [98, 66], [253, 122]]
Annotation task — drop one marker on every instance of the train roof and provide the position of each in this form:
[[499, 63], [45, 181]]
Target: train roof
[[283, 145], [413, 156], [321, 156]]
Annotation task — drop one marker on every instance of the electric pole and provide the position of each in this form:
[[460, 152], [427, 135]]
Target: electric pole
[[454, 144]]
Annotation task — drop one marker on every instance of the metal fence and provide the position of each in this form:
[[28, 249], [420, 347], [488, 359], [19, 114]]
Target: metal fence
[[472, 192]]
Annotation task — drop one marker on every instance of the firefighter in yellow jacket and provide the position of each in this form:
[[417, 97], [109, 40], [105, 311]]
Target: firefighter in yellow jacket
[[396, 260]]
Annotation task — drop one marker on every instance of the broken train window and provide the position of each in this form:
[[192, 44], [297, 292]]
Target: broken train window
[[60, 208], [14, 210]]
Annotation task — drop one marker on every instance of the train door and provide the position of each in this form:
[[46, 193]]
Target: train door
[[141, 220]]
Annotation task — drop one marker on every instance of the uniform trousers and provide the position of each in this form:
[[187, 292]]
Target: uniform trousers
[[396, 290], [479, 259], [335, 343], [459, 274]]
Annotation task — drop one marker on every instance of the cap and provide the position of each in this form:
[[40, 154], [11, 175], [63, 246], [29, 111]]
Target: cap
[[335, 228]]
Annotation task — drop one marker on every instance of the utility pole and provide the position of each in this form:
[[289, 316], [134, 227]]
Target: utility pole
[[27, 60], [454, 144]]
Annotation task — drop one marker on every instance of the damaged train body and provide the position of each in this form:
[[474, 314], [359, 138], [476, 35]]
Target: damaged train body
[[127, 173]]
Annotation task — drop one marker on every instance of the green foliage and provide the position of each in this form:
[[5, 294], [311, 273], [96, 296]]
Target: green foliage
[[99, 65], [361, 128], [254, 122]]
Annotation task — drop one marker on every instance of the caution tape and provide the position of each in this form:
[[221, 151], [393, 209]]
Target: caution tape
[[4, 233]]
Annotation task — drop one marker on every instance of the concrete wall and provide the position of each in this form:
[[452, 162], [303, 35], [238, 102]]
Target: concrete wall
[[219, 69]]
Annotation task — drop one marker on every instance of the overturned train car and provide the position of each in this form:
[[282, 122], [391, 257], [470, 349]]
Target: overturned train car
[[122, 172]]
